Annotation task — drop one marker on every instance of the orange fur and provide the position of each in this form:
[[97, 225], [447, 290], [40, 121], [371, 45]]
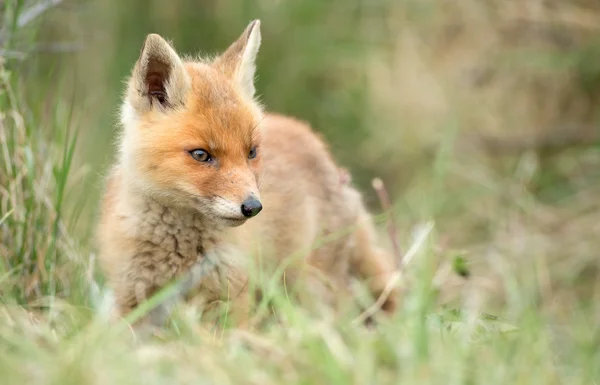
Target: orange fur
[[167, 215]]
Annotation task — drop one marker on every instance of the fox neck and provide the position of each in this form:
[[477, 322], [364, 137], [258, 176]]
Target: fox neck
[[149, 215]]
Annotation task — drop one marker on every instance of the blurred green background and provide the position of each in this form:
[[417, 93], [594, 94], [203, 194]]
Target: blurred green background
[[481, 116]]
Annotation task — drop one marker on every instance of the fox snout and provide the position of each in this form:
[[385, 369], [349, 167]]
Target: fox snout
[[251, 207], [242, 191], [237, 198], [234, 214]]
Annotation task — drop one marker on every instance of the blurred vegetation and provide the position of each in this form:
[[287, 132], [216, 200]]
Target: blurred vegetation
[[480, 117]]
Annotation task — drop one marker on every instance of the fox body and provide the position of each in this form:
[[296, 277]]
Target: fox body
[[198, 160]]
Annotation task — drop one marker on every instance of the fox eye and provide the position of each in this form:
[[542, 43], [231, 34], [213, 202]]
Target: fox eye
[[252, 153], [200, 155]]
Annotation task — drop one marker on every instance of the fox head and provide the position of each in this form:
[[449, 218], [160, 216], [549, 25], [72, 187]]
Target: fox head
[[191, 129]]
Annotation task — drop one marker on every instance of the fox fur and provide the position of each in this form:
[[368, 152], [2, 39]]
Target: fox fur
[[167, 215]]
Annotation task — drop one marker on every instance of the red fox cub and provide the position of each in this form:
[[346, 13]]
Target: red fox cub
[[206, 182]]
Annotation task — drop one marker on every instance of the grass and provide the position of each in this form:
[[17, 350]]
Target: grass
[[34, 243], [421, 344], [501, 273]]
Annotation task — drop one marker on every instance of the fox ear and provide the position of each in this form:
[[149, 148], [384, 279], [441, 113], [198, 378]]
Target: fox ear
[[159, 77], [238, 62]]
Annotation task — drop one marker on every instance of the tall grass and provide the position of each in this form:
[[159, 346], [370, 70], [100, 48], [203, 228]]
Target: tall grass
[[38, 257], [420, 344]]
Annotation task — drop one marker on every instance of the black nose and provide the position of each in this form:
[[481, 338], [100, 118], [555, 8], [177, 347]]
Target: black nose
[[251, 207]]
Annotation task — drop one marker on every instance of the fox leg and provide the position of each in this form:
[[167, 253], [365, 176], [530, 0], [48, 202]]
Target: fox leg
[[239, 309], [373, 264], [207, 284]]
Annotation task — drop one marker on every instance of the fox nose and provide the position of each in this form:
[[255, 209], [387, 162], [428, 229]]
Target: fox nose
[[251, 207]]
